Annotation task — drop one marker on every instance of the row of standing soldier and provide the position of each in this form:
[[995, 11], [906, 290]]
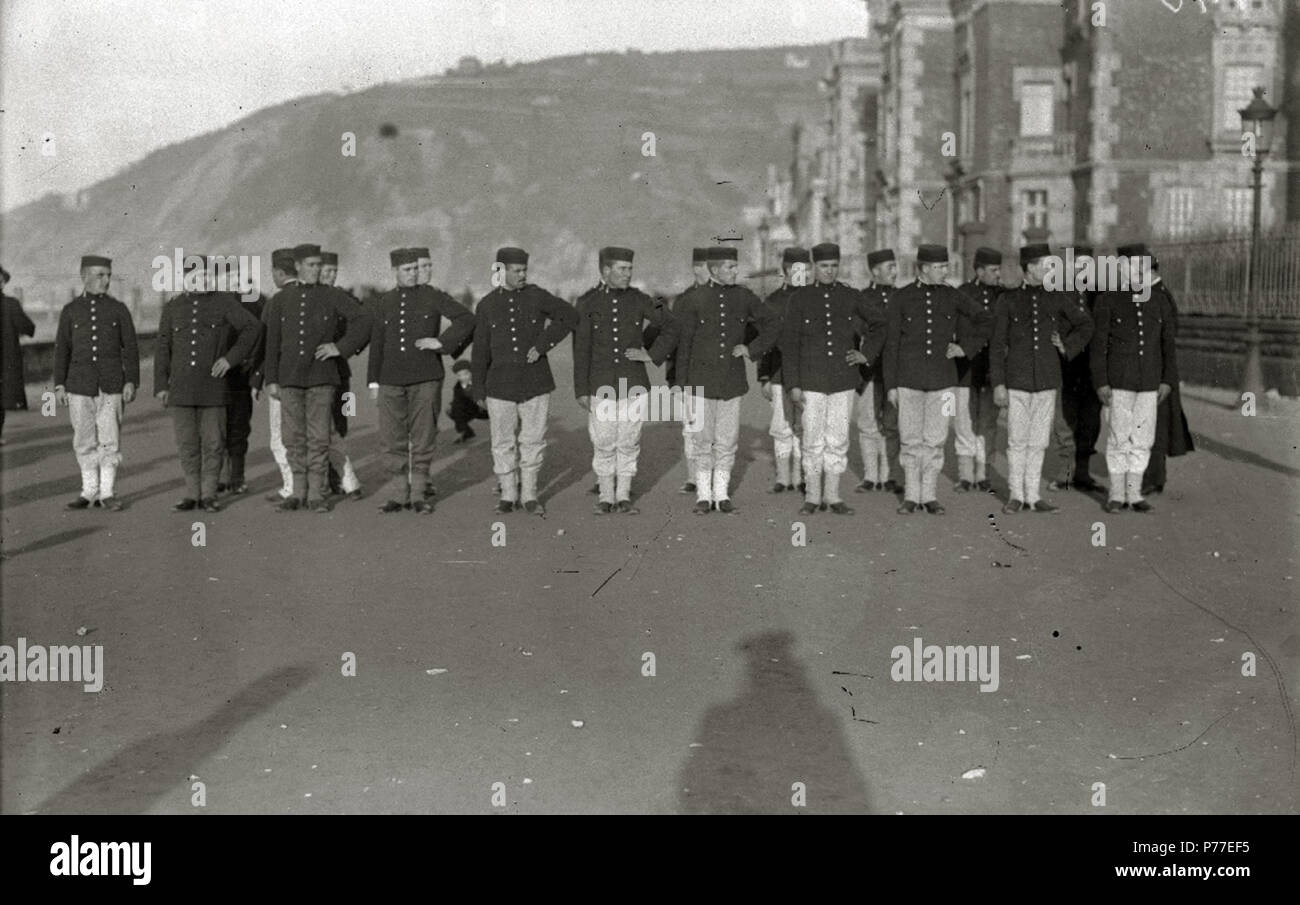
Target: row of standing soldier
[[904, 363]]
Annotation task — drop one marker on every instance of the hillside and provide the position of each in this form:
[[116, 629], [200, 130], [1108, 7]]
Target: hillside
[[546, 155]]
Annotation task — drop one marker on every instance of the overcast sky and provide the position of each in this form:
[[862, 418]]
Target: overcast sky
[[111, 80]]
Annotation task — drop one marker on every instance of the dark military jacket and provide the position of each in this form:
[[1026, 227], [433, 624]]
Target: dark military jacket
[[1076, 373], [345, 368], [823, 323], [1133, 343], [257, 376], [95, 348], [302, 317], [239, 379], [403, 315], [923, 318], [877, 298], [611, 321], [712, 318], [775, 307], [509, 322], [195, 329], [652, 333], [1021, 355], [973, 370]]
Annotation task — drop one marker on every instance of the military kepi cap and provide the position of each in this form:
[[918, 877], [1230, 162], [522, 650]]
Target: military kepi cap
[[722, 253], [421, 251], [282, 259], [95, 261], [329, 257], [931, 254], [880, 256], [1133, 250], [699, 255], [399, 256], [794, 255], [985, 256], [1033, 252], [306, 250], [826, 251], [615, 253], [512, 255]]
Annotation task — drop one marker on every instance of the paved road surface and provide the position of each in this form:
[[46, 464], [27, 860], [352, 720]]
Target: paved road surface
[[1119, 664]]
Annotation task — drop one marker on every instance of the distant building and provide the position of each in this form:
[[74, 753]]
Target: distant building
[[1015, 146], [1153, 99], [998, 122], [914, 110], [851, 86]]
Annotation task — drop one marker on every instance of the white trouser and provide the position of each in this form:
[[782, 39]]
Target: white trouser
[[871, 439], [278, 451], [825, 441], [1130, 432], [96, 437], [338, 456], [714, 426], [1029, 428], [518, 441], [923, 421], [974, 426], [615, 431], [786, 445]]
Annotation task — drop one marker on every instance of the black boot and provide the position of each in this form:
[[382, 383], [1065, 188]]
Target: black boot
[[237, 484]]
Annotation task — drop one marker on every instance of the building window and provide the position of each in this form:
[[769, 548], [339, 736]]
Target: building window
[[1237, 210], [1237, 84], [1036, 209], [1036, 99], [1182, 212]]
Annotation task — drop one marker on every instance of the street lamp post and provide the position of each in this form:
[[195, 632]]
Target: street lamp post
[[1256, 119]]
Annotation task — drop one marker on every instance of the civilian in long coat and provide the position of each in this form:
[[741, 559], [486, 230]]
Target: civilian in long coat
[[14, 323], [1173, 437]]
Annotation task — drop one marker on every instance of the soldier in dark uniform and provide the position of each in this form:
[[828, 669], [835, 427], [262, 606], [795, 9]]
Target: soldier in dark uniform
[[14, 323], [1173, 437], [611, 368], [283, 272], [877, 420], [1025, 369], [202, 335], [300, 373], [342, 476], [785, 427], [96, 372], [920, 376], [1134, 368], [711, 368], [700, 274], [424, 277], [516, 325], [976, 421], [830, 329], [405, 374], [239, 393], [1076, 425]]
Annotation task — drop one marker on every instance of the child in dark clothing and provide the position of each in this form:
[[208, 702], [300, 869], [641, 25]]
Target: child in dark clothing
[[463, 408]]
